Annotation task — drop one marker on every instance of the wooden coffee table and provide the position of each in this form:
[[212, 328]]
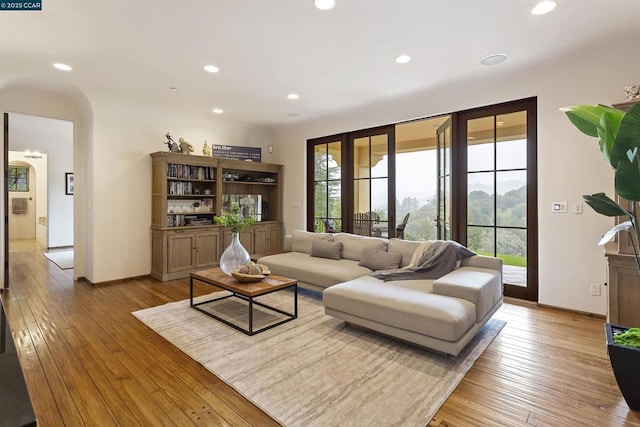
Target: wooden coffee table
[[246, 292]]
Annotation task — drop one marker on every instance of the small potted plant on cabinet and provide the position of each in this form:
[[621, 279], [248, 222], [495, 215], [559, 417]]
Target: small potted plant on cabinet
[[618, 134]]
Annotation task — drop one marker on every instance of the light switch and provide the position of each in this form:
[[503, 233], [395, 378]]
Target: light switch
[[559, 207], [577, 207]]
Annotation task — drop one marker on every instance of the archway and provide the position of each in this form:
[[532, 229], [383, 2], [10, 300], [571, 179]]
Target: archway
[[59, 100]]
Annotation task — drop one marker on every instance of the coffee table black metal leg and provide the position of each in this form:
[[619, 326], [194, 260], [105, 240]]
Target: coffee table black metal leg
[[191, 291], [250, 316]]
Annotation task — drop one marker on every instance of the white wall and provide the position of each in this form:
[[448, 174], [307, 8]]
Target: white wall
[[55, 138], [125, 132], [569, 163]]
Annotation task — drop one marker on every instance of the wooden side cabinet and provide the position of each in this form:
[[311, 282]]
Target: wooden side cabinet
[[178, 252], [624, 290], [268, 238]]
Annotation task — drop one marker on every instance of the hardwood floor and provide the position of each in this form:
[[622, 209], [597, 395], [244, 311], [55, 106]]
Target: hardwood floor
[[88, 361]]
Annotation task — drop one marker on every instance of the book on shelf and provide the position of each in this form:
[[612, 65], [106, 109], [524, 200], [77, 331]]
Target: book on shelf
[[191, 172]]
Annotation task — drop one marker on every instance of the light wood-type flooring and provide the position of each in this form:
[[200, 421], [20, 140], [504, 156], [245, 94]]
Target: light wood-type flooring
[[88, 361]]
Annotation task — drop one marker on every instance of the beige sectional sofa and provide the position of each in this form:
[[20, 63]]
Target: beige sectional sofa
[[442, 314]]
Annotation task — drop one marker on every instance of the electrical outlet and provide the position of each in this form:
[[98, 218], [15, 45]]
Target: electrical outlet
[[595, 289]]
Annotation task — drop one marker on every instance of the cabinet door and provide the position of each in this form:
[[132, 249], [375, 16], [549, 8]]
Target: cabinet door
[[624, 291], [261, 238], [207, 249], [268, 238], [275, 238], [181, 248]]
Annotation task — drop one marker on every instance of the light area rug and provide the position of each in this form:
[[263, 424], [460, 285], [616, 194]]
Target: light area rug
[[63, 259], [315, 370]]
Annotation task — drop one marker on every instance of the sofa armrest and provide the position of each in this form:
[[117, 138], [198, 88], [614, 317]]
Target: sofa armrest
[[480, 286], [482, 261]]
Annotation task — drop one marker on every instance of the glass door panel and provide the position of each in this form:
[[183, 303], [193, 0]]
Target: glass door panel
[[443, 220], [500, 150], [371, 184], [327, 199], [416, 176]]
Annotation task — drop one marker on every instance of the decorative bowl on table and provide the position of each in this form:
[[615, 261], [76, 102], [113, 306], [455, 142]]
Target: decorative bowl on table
[[242, 277], [251, 272]]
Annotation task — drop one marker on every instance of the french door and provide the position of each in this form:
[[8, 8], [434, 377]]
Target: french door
[[494, 165], [372, 211]]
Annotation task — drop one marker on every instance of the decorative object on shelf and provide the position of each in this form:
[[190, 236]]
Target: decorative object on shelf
[[171, 144], [185, 147], [619, 139], [206, 149], [632, 92], [235, 256]]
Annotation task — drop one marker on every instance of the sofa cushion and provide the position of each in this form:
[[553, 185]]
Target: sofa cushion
[[321, 272], [402, 307], [405, 247], [481, 286], [302, 240], [324, 249], [353, 244], [380, 260]]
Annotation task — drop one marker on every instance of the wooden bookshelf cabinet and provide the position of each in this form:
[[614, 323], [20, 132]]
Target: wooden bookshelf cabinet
[[624, 290], [189, 190]]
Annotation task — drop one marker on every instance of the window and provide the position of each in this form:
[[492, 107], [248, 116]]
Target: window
[[326, 163], [18, 178], [469, 176]]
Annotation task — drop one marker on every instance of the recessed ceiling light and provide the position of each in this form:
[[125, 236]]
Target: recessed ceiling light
[[293, 96], [218, 110], [403, 59], [173, 89], [543, 7], [294, 115], [325, 4], [211, 68], [63, 67], [494, 58]]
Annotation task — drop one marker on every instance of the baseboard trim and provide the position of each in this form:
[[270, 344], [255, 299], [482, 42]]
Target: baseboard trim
[[517, 301], [114, 282]]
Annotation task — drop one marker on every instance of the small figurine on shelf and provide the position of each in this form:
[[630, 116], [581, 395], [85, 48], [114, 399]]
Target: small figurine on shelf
[[206, 149], [632, 92], [185, 147], [173, 146]]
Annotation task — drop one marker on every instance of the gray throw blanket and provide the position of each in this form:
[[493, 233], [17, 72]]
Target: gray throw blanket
[[439, 259]]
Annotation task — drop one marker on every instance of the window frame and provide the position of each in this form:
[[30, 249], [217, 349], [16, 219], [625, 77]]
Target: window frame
[[13, 176]]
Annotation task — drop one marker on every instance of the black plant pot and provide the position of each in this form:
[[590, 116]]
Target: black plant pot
[[625, 362]]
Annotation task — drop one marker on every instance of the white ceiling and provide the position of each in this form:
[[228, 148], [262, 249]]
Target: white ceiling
[[335, 60]]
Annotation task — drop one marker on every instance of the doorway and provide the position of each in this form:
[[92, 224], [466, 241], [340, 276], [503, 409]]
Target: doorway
[[27, 200], [38, 203], [497, 186]]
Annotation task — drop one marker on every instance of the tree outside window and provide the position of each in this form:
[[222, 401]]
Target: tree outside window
[[18, 178]]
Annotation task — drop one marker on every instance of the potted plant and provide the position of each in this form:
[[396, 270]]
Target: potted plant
[[618, 134], [235, 256]]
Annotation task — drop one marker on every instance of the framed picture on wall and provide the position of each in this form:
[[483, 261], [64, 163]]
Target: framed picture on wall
[[68, 181]]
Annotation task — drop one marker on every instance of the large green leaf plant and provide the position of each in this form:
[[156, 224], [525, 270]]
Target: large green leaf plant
[[618, 134]]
